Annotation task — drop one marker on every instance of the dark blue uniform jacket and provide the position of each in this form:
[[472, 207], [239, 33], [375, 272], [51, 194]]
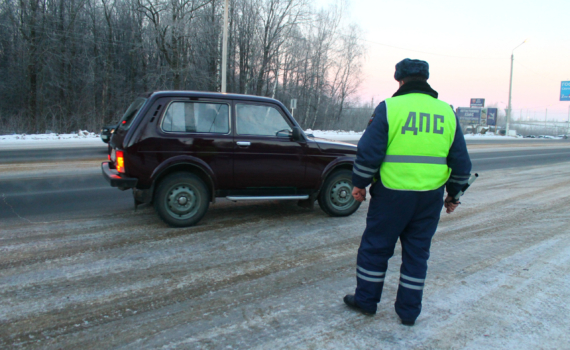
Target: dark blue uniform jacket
[[372, 146]]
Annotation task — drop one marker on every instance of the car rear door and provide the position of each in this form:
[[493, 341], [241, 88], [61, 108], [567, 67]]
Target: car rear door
[[198, 128]]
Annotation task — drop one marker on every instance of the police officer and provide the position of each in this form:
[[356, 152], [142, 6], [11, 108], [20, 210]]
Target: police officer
[[411, 151]]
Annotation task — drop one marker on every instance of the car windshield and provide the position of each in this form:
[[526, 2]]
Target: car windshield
[[131, 112]]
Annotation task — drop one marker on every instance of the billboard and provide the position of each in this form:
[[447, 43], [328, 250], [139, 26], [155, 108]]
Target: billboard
[[469, 115], [477, 102], [492, 116], [565, 91]]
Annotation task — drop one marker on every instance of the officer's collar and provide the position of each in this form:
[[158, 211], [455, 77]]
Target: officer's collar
[[411, 87]]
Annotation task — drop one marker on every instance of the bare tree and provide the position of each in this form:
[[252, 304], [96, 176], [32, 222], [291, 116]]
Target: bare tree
[[170, 19], [278, 17], [69, 64]]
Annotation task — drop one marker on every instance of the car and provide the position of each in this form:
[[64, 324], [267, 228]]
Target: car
[[529, 137], [107, 131], [180, 150]]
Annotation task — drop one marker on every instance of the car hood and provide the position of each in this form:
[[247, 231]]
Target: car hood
[[335, 147]]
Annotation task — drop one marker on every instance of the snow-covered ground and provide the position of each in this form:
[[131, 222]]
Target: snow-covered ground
[[271, 275], [355, 136], [336, 134], [53, 140], [88, 139]]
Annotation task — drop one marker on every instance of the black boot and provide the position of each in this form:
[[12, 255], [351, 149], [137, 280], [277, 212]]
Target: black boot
[[407, 322], [351, 302]]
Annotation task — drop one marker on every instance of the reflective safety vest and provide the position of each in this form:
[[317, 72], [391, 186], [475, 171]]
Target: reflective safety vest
[[421, 130]]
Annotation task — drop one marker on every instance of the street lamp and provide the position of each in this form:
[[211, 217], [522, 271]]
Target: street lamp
[[511, 88]]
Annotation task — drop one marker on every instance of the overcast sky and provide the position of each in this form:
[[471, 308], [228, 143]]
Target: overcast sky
[[468, 46]]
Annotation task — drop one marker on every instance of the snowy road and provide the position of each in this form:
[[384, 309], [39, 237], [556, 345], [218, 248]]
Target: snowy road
[[272, 276]]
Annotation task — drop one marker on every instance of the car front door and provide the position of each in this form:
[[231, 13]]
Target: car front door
[[264, 153]]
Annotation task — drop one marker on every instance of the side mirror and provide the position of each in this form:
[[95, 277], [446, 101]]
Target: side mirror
[[296, 134]]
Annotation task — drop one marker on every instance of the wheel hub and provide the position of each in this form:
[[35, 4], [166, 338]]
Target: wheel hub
[[181, 200], [340, 194]]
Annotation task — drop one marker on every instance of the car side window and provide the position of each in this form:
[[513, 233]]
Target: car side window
[[196, 117], [260, 120]]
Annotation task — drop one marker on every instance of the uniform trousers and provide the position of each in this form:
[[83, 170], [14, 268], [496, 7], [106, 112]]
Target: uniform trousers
[[411, 216]]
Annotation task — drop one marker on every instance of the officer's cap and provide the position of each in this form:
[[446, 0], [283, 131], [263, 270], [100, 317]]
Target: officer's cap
[[408, 68]]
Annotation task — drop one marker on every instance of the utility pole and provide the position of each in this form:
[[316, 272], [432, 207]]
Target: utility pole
[[225, 47], [510, 93], [568, 123], [511, 88]]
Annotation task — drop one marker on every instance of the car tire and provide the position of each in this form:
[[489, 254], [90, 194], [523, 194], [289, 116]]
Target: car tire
[[335, 197], [181, 199]]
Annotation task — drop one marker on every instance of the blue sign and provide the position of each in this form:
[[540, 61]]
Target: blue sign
[[469, 115], [477, 102], [565, 91], [492, 116]]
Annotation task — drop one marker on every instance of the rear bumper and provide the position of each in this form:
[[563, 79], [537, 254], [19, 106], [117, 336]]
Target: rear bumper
[[117, 180]]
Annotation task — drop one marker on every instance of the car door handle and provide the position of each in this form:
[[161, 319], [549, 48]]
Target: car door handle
[[243, 143]]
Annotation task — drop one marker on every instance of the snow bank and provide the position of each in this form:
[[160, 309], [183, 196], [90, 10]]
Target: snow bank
[[87, 139], [81, 134], [82, 138], [491, 136], [355, 136], [336, 134]]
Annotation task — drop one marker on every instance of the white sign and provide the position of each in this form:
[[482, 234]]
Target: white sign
[[293, 103]]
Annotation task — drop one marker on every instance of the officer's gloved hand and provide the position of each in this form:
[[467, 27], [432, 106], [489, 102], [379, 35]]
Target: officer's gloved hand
[[359, 194], [449, 205]]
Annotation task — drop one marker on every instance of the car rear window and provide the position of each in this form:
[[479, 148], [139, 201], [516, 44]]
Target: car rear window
[[131, 113], [197, 117]]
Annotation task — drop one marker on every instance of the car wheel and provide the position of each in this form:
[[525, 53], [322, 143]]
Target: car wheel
[[181, 199], [335, 197]]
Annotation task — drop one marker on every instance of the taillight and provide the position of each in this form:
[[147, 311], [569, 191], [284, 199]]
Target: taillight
[[120, 163], [108, 156]]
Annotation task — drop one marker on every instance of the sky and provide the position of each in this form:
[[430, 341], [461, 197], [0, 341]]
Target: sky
[[468, 46]]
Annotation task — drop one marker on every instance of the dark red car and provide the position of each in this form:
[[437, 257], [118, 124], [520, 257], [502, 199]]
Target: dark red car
[[182, 149]]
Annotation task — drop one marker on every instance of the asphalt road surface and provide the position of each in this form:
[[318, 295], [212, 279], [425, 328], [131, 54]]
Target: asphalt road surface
[[53, 154], [80, 269], [483, 160], [63, 193]]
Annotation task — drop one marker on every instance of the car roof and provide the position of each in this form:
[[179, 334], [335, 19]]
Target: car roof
[[205, 94]]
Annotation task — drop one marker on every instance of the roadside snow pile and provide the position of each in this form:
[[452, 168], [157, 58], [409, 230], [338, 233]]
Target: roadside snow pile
[[489, 135], [339, 135], [81, 137], [86, 138], [81, 134], [355, 136]]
